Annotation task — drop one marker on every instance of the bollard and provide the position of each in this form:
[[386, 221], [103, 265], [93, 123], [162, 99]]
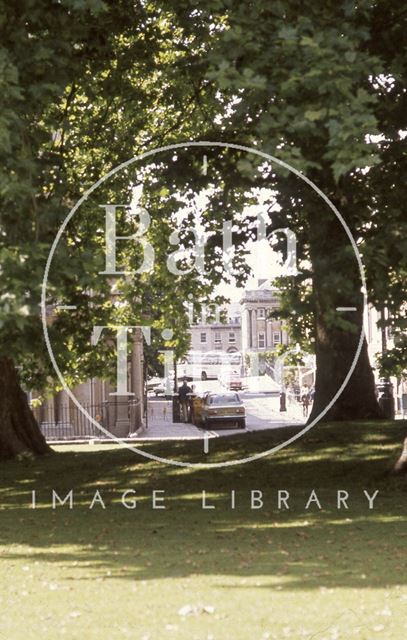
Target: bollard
[[176, 408]]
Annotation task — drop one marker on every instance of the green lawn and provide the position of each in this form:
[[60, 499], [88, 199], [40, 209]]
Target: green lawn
[[221, 573]]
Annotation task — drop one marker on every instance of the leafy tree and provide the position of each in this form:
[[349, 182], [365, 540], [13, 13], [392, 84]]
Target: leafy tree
[[314, 88], [41, 54], [77, 77], [87, 84]]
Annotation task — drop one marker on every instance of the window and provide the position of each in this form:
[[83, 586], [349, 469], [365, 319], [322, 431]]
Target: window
[[276, 337], [226, 398], [218, 339], [262, 340], [203, 338], [261, 313], [232, 337]]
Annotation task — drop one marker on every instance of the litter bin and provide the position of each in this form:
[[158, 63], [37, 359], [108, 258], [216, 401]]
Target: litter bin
[[283, 401], [386, 399], [176, 408]]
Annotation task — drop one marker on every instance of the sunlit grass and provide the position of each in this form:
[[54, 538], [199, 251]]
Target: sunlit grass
[[223, 573]]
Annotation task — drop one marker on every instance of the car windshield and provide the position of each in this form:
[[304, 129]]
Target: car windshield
[[224, 398]]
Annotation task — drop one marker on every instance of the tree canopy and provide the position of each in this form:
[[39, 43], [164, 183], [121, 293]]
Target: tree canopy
[[88, 84]]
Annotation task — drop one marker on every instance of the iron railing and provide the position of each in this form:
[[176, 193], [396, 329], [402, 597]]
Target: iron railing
[[68, 422]]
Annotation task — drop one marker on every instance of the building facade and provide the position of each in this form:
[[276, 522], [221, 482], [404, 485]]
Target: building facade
[[378, 340], [60, 417], [260, 332], [217, 337], [249, 327]]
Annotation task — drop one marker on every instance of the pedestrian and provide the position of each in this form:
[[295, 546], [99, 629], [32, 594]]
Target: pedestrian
[[297, 392], [305, 399], [183, 392]]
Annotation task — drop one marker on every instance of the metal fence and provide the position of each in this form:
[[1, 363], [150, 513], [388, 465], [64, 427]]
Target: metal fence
[[68, 422]]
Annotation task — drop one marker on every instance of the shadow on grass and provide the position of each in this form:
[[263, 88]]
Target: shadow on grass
[[294, 549]]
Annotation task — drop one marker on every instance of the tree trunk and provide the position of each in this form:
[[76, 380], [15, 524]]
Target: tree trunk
[[337, 283], [335, 351], [19, 431], [401, 465]]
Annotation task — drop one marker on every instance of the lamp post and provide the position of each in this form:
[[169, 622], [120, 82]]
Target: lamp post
[[176, 411], [385, 387]]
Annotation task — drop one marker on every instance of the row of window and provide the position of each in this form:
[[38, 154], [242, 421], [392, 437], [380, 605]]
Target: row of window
[[218, 338], [260, 313], [261, 339]]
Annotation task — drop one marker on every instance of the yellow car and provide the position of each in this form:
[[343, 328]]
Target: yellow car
[[197, 402], [222, 409]]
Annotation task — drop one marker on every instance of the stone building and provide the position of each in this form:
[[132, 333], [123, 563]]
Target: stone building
[[217, 336], [60, 417], [379, 339], [259, 331], [248, 327]]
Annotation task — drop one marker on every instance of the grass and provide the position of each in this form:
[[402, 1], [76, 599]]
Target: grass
[[185, 572]]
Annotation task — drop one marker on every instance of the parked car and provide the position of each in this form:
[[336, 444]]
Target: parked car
[[160, 389], [231, 380], [152, 383], [223, 409], [197, 404], [157, 386]]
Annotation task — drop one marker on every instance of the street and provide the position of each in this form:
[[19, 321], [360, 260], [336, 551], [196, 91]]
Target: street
[[261, 400]]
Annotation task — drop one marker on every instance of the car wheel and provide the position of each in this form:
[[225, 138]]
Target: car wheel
[[204, 376], [241, 424]]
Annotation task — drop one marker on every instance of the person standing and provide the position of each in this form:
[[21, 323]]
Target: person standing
[[183, 392], [297, 392], [305, 399]]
